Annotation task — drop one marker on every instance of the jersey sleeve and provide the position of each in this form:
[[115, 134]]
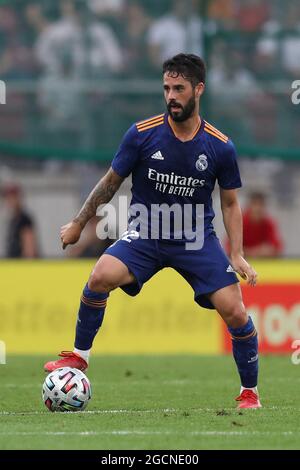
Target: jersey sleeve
[[228, 173], [26, 221], [127, 154]]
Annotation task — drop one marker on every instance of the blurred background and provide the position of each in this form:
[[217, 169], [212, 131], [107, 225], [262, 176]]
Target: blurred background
[[79, 73]]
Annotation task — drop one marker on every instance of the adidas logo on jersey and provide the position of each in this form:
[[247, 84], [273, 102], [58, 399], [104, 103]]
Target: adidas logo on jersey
[[157, 156], [230, 269]]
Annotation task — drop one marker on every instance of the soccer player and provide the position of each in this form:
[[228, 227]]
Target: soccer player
[[174, 158]]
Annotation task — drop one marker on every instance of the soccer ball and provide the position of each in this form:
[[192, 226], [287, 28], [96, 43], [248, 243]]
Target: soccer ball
[[66, 389]]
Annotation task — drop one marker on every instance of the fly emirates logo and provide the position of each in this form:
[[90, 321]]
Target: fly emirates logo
[[174, 184]]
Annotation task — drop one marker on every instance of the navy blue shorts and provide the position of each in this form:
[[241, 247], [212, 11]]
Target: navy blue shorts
[[206, 270]]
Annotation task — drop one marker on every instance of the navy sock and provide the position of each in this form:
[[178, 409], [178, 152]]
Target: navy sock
[[245, 353], [90, 318]]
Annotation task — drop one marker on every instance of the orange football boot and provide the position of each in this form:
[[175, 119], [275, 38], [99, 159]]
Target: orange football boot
[[248, 399], [70, 359]]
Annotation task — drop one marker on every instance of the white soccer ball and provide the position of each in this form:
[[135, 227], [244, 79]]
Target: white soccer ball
[[66, 389]]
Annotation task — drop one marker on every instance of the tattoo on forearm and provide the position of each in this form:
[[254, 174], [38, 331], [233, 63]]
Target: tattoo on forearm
[[101, 194]]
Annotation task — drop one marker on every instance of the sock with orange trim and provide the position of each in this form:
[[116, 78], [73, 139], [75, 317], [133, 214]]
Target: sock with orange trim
[[245, 353], [90, 318]]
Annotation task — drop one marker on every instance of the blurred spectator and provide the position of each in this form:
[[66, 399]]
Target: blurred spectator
[[261, 236], [230, 74], [113, 7], [136, 23], [290, 47], [63, 107], [21, 237], [280, 42], [16, 59], [234, 88], [252, 15], [181, 30], [223, 13], [91, 44], [266, 59], [36, 21]]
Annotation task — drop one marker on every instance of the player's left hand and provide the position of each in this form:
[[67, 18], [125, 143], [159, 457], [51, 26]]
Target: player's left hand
[[243, 268]]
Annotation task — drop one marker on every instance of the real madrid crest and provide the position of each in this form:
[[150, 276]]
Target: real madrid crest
[[201, 163]]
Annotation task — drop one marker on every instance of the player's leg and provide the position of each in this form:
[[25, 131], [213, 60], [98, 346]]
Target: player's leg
[[229, 304], [216, 285], [108, 273], [128, 264]]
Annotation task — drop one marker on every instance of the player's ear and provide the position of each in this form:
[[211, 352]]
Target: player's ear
[[199, 89]]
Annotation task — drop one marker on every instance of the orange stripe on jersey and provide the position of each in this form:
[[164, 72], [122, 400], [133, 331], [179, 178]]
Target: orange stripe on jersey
[[149, 126], [216, 135], [212, 128], [151, 123], [150, 120], [196, 131], [144, 126]]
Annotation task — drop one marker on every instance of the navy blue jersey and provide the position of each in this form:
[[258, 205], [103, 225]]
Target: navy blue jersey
[[166, 170]]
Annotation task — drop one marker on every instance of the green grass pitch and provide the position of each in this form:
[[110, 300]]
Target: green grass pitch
[[153, 402]]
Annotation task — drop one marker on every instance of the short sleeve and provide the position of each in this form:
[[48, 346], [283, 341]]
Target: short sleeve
[[127, 154], [26, 221], [228, 173]]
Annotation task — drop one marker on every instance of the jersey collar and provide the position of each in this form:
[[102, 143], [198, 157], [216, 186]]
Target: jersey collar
[[197, 130]]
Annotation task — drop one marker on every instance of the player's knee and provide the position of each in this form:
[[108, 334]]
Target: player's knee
[[100, 282], [236, 317]]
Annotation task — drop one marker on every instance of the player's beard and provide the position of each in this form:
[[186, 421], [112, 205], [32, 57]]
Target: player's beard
[[186, 111]]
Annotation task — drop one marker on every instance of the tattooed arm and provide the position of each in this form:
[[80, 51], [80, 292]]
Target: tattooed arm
[[102, 193]]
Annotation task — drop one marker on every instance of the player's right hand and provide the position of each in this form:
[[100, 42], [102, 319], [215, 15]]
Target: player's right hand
[[243, 268], [70, 234]]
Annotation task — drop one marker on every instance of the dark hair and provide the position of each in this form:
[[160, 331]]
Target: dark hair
[[189, 66], [257, 196]]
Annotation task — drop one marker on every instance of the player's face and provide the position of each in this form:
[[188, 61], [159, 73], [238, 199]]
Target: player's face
[[180, 97]]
